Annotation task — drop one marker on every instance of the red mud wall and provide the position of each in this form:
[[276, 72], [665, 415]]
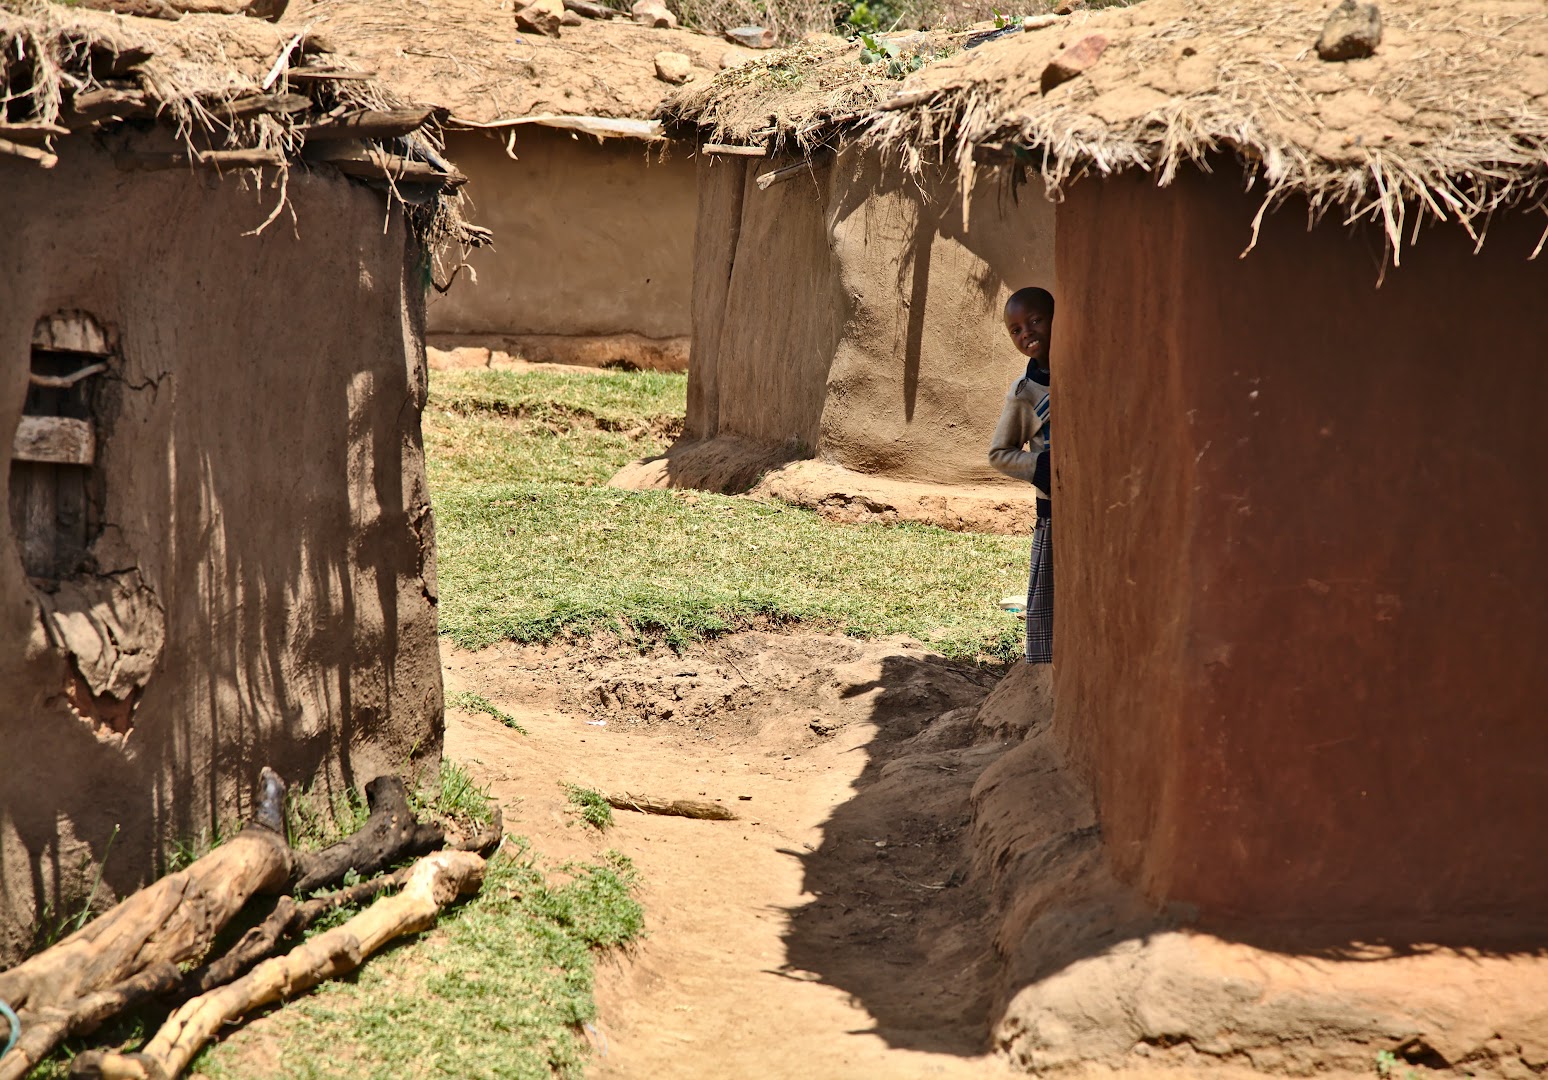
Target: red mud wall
[[263, 585], [1303, 603]]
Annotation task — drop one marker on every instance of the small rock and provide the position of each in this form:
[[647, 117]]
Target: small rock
[[1352, 32], [1069, 7], [753, 37], [1073, 61], [732, 58], [569, 18], [541, 17], [673, 67], [653, 13], [1038, 22]]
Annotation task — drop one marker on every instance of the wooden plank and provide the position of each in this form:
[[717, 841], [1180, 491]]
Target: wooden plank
[[32, 516], [371, 163], [733, 150], [29, 153], [326, 74], [369, 124], [207, 159], [72, 331], [55, 439], [779, 176], [31, 132]]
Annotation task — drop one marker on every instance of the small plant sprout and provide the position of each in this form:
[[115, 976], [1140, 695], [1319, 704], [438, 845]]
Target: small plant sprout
[[470, 702], [591, 806]]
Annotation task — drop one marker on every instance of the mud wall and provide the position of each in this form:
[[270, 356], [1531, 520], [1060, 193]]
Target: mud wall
[[260, 582], [1303, 603], [850, 313], [590, 238]]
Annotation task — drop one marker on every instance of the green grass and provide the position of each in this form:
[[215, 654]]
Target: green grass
[[468, 701], [501, 990], [531, 549], [503, 426], [591, 805]]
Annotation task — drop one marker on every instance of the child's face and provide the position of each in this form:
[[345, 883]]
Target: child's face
[[1029, 330]]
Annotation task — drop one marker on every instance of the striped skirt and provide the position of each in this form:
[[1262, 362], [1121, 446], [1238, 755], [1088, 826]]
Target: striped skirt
[[1040, 595]]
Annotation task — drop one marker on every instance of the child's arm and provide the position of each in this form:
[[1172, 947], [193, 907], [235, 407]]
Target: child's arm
[[1017, 428]]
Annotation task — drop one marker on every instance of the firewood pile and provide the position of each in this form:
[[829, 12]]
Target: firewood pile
[[154, 947]]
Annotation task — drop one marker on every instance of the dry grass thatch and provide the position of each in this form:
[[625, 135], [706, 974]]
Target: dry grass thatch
[[804, 95], [1448, 121], [468, 56], [225, 84]]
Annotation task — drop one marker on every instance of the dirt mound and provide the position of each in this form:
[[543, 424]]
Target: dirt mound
[[502, 352], [729, 465], [841, 494]]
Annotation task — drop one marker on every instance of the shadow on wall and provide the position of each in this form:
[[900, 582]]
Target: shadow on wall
[[963, 898], [263, 534]]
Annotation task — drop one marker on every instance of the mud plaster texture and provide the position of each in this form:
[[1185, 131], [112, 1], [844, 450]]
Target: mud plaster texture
[[850, 314], [1305, 598], [1089, 973], [591, 239], [261, 587]]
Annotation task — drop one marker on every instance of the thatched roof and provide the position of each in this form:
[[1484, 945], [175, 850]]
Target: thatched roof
[[237, 93], [468, 56], [804, 95], [1448, 120]]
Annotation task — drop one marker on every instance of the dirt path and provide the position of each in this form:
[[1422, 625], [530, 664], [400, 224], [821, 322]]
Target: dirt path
[[822, 934]]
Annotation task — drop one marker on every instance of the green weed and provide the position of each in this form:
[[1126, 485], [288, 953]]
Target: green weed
[[592, 807], [501, 989], [468, 701], [455, 795]]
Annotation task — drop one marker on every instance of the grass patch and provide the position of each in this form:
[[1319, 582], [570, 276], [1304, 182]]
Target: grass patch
[[468, 701], [531, 550], [507, 426], [501, 990], [592, 807]]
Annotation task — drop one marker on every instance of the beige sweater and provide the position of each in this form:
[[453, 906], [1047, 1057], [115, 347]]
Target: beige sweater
[[1022, 433]]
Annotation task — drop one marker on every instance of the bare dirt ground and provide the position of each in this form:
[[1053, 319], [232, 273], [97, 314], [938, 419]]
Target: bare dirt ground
[[829, 932]]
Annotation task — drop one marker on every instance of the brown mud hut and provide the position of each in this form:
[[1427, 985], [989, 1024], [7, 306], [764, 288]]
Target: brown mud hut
[[219, 552], [845, 314], [1287, 809], [593, 261]]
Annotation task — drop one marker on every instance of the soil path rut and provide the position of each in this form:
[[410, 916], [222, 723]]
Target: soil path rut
[[811, 938]]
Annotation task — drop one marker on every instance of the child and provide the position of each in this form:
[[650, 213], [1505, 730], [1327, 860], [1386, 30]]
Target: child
[[1020, 448]]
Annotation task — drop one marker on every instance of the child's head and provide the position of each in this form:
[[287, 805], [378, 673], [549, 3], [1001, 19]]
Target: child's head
[[1029, 320]]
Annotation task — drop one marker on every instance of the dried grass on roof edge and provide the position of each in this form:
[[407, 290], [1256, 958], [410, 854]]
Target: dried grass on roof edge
[[1448, 121], [191, 71]]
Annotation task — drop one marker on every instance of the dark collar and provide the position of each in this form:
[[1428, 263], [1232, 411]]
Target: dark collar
[[1037, 374]]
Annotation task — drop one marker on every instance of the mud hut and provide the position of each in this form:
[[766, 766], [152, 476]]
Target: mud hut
[[1286, 809], [1300, 517], [595, 221], [846, 317], [219, 551]]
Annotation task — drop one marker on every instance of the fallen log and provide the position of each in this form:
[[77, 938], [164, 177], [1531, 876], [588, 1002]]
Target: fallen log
[[433, 882], [390, 834], [49, 1026], [172, 921], [690, 808]]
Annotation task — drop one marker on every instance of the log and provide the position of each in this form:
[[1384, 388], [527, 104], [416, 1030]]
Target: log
[[29, 153], [32, 131], [369, 124], [172, 920], [95, 105], [256, 104], [207, 159], [390, 834], [691, 808], [47, 1027], [371, 163], [433, 882], [328, 75], [733, 150], [591, 10], [787, 172]]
